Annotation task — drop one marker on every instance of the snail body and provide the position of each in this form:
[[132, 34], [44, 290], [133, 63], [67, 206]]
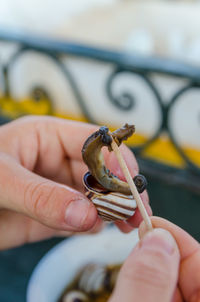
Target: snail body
[[92, 156]]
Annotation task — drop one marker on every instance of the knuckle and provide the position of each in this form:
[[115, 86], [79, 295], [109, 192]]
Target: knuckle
[[48, 201], [39, 197]]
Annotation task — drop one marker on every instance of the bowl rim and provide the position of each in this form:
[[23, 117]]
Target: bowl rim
[[68, 242]]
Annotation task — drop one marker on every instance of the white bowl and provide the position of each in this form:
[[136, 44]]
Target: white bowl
[[60, 265]]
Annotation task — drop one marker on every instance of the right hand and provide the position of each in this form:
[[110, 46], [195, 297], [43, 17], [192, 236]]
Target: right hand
[[164, 266]]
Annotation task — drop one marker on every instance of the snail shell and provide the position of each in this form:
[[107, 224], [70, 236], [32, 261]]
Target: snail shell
[[111, 206], [97, 278], [75, 296], [92, 278]]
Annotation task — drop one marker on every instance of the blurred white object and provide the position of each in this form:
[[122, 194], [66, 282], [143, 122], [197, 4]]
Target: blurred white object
[[44, 16], [140, 41], [61, 264]]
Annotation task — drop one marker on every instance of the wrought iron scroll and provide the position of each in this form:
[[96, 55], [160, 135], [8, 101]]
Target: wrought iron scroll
[[143, 67], [56, 58], [190, 165], [130, 100]]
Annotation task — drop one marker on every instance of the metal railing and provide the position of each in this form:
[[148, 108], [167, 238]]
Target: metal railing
[[144, 67]]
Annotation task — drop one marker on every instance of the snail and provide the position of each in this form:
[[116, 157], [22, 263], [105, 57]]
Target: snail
[[95, 282], [75, 296], [111, 196], [92, 278], [97, 278]]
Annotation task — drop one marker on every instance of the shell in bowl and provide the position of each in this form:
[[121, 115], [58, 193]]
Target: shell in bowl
[[96, 278], [111, 206], [74, 296]]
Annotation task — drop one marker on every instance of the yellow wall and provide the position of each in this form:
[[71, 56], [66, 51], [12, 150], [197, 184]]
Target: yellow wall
[[161, 149]]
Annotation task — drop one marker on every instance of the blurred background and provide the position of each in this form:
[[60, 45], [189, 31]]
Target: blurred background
[[109, 62]]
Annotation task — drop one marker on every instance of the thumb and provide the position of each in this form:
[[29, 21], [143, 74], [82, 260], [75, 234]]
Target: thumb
[[57, 206], [150, 273]]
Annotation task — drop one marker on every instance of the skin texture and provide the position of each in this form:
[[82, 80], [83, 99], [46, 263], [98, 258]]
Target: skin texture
[[164, 266], [41, 172]]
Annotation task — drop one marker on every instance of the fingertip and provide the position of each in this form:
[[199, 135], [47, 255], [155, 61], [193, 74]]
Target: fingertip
[[98, 226], [187, 244], [136, 219], [159, 239], [177, 297], [90, 219], [151, 270], [130, 160], [124, 226], [142, 230], [113, 165], [145, 197]]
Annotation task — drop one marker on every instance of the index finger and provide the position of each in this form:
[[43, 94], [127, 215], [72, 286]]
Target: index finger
[[189, 277]]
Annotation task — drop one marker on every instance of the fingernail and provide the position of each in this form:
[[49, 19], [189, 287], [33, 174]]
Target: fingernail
[[158, 239], [77, 212]]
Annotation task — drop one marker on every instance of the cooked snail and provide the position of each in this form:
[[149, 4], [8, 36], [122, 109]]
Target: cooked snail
[[112, 196]]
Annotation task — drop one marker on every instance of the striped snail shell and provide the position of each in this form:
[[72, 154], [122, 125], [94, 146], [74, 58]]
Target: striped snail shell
[[92, 278], [97, 278], [111, 206]]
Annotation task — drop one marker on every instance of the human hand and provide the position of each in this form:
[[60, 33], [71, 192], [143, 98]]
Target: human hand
[[164, 266], [41, 171]]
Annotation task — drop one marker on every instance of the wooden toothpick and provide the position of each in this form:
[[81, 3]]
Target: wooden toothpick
[[132, 186]]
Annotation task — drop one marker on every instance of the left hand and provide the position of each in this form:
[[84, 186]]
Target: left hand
[[41, 171]]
